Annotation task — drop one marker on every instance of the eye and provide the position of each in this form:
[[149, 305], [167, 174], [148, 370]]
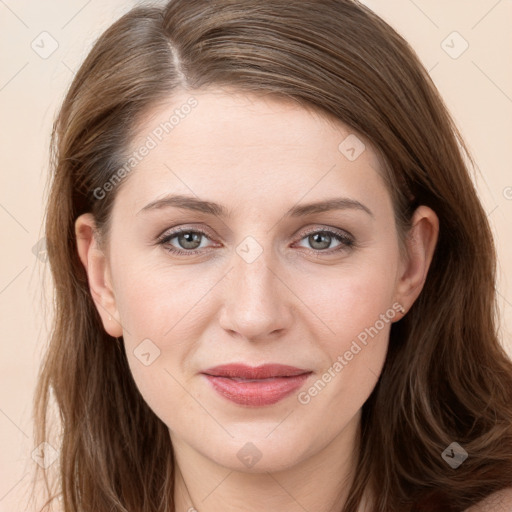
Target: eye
[[189, 241], [320, 240]]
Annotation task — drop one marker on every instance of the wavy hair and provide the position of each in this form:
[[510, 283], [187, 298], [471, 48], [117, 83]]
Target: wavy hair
[[446, 377]]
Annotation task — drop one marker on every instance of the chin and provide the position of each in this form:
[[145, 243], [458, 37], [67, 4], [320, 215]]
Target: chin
[[258, 454]]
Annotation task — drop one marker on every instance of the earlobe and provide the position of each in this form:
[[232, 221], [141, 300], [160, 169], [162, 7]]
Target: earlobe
[[96, 266], [421, 243]]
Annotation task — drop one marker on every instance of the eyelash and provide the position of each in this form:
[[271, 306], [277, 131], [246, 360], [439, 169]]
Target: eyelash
[[347, 242]]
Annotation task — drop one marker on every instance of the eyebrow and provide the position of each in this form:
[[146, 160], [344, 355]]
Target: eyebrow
[[211, 208]]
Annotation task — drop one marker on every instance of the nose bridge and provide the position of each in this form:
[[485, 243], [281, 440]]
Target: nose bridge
[[255, 303], [253, 274]]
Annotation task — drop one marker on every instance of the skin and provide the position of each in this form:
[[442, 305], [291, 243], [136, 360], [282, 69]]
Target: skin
[[292, 305]]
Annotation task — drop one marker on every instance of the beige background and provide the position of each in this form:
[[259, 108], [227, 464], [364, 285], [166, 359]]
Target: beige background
[[476, 85]]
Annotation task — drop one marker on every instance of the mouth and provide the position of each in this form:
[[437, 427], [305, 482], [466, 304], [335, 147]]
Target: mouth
[[265, 371], [256, 386]]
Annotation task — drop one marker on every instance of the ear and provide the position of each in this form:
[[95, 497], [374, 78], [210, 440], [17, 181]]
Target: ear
[[98, 273], [421, 242]]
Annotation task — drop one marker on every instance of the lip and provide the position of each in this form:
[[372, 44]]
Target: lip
[[256, 386], [264, 371]]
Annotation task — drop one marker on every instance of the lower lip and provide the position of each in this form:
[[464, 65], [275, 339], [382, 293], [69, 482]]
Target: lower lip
[[258, 392]]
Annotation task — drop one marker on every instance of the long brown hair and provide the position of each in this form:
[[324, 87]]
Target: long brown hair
[[446, 377]]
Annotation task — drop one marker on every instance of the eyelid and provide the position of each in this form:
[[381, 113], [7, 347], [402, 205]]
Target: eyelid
[[181, 227], [171, 233], [328, 229]]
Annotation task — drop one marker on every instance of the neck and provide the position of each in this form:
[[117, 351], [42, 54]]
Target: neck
[[320, 482]]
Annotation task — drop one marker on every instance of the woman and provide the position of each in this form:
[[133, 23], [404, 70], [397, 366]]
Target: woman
[[274, 278]]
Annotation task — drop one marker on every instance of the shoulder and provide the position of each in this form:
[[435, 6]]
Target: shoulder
[[500, 501]]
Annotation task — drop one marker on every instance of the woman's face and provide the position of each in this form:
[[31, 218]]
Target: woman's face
[[262, 276]]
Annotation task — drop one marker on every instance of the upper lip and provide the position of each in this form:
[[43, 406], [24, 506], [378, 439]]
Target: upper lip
[[265, 371]]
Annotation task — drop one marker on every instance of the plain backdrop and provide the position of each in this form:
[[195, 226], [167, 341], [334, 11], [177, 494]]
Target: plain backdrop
[[465, 45]]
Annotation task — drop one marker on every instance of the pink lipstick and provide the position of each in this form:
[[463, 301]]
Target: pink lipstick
[[256, 386]]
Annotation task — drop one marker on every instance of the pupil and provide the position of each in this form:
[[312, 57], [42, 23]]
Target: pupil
[[189, 239], [317, 238]]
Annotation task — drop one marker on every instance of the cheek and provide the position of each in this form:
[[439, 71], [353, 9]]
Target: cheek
[[350, 298], [157, 301], [162, 312], [355, 307]]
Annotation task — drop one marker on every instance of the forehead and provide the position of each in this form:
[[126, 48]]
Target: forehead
[[239, 146]]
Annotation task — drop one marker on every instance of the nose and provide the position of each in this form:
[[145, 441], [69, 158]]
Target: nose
[[257, 302]]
